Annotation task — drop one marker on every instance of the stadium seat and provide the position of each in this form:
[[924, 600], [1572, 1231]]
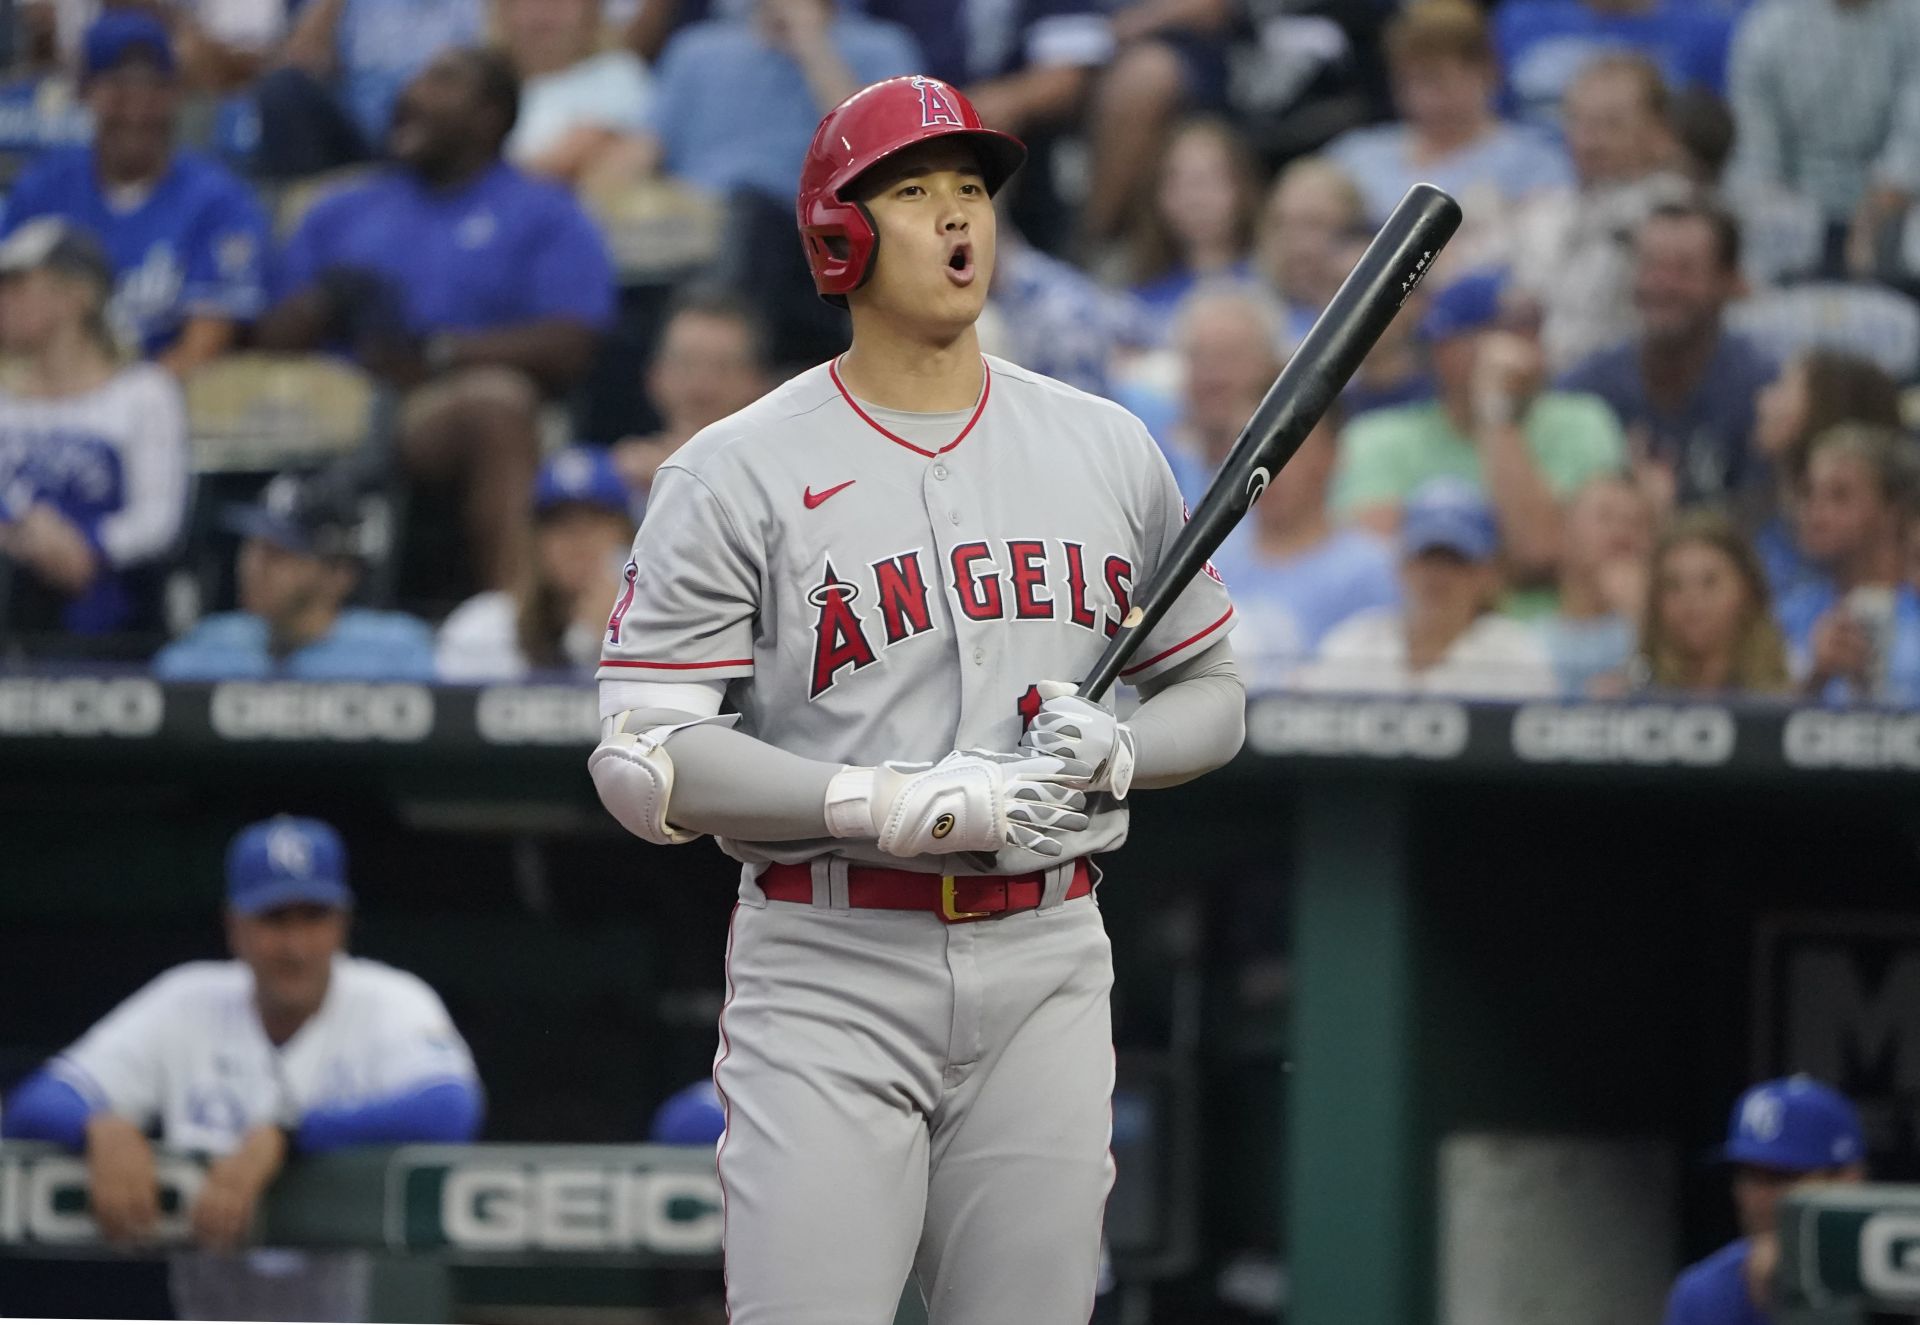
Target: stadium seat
[[658, 230], [262, 412]]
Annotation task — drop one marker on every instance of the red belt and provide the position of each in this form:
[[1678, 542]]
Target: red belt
[[952, 897]]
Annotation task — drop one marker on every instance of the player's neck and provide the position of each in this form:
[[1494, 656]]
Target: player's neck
[[894, 371]]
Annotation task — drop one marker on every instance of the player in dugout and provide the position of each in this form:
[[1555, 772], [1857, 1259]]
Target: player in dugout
[[1785, 1134], [292, 1048]]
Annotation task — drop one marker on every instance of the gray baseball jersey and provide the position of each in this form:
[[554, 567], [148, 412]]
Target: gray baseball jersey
[[878, 586], [904, 1095]]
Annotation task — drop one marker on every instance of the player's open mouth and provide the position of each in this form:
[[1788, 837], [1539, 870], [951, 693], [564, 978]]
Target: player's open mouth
[[960, 265]]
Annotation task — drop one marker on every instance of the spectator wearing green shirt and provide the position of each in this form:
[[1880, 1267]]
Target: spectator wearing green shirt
[[1492, 424]]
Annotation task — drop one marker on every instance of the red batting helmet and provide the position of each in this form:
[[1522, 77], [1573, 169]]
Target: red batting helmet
[[859, 133]]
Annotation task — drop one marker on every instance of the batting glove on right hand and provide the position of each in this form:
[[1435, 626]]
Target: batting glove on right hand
[[1069, 727], [973, 800]]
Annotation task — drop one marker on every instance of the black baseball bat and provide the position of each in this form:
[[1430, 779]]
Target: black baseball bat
[[1339, 339]]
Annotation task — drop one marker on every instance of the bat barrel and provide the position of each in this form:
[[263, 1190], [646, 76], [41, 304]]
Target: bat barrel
[[1332, 351]]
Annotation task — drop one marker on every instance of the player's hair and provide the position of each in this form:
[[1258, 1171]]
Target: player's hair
[[1152, 250], [1841, 388], [1759, 651], [1439, 30], [1724, 226], [717, 301], [1653, 87], [1887, 452]]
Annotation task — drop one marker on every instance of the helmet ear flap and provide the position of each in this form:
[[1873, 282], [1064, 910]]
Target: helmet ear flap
[[840, 239]]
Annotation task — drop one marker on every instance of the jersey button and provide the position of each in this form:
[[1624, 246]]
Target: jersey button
[[940, 472], [979, 656], [954, 516]]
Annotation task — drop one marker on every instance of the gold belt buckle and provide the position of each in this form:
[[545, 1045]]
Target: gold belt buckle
[[947, 912]]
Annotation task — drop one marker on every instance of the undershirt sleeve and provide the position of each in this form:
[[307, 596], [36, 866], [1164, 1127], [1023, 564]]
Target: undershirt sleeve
[[1192, 720]]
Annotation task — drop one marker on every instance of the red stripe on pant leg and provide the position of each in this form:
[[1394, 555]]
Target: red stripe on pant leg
[[726, 1117]]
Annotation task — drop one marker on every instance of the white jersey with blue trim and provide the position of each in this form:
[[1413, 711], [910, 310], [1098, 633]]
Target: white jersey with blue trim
[[875, 585]]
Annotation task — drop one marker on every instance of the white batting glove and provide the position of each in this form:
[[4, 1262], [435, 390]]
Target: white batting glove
[[1068, 727], [973, 800]]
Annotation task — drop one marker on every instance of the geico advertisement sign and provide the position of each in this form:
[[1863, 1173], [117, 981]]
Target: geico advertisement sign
[[335, 711], [1377, 729], [1890, 1257], [80, 706], [1697, 736], [44, 1200], [579, 1208]]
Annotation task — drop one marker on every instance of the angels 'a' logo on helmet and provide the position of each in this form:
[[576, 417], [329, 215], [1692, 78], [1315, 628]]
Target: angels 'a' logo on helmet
[[936, 104]]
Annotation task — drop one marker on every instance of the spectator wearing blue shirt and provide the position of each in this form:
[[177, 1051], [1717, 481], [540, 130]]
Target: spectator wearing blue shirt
[[1684, 388], [300, 560], [1544, 44], [799, 58], [475, 289], [1786, 1134], [1294, 573], [1196, 223], [1441, 63], [1854, 628], [187, 239], [331, 100], [1048, 315]]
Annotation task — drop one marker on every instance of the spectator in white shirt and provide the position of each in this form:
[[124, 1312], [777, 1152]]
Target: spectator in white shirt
[[1444, 639], [583, 107], [553, 620]]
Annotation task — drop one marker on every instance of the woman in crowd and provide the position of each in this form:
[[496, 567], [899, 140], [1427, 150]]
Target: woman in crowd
[[1709, 625], [93, 450], [1199, 223], [553, 620], [1312, 211], [1816, 389], [583, 106]]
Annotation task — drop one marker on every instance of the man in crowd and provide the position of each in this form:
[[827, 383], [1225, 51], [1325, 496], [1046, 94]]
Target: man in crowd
[[1602, 585], [1573, 245], [1445, 638], [1228, 339], [1684, 387], [187, 239], [293, 1047], [1855, 626], [1547, 45], [1787, 1134], [300, 560], [1493, 425], [478, 291], [711, 361]]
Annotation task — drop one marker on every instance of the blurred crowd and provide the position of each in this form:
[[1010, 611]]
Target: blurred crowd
[[342, 338]]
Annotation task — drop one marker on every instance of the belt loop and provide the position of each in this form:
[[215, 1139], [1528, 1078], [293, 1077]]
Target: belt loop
[[821, 869], [750, 891], [837, 896], [1053, 892]]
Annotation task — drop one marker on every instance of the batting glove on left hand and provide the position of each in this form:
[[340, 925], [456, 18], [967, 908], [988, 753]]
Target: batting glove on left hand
[[1068, 727]]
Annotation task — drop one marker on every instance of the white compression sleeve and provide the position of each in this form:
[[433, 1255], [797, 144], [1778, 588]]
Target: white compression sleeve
[[1191, 720], [730, 784]]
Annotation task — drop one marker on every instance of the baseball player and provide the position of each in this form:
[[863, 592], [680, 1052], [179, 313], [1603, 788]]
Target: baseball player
[[844, 648], [292, 1048], [1783, 1134]]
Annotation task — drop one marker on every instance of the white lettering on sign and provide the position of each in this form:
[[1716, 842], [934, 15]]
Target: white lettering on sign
[[573, 1208], [1428, 729], [1816, 739], [80, 706], [1890, 1256], [1836, 1017], [43, 1200], [538, 715], [1696, 737], [249, 711]]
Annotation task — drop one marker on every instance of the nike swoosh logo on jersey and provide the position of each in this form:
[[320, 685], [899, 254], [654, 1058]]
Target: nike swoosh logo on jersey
[[813, 499]]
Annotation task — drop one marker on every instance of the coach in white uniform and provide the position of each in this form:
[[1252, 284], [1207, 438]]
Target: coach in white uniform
[[294, 1048]]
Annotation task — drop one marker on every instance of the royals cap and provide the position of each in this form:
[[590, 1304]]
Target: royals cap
[[1797, 1124], [286, 861]]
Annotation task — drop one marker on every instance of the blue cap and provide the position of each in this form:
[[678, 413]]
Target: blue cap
[[1469, 304], [119, 33], [311, 514], [284, 861], [1796, 1124], [580, 474], [1449, 513], [691, 1116]]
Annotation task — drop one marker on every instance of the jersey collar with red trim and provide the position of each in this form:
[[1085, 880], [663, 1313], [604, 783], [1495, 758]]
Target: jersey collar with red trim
[[986, 389]]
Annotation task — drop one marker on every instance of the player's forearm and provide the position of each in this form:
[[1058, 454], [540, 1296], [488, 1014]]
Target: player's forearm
[[1192, 726], [733, 785]]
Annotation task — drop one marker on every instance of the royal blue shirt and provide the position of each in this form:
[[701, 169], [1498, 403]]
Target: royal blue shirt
[[969, 41], [1714, 1291], [1800, 610], [195, 245], [716, 136], [1286, 608], [499, 251], [1162, 294], [1543, 43], [362, 646], [1705, 440]]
